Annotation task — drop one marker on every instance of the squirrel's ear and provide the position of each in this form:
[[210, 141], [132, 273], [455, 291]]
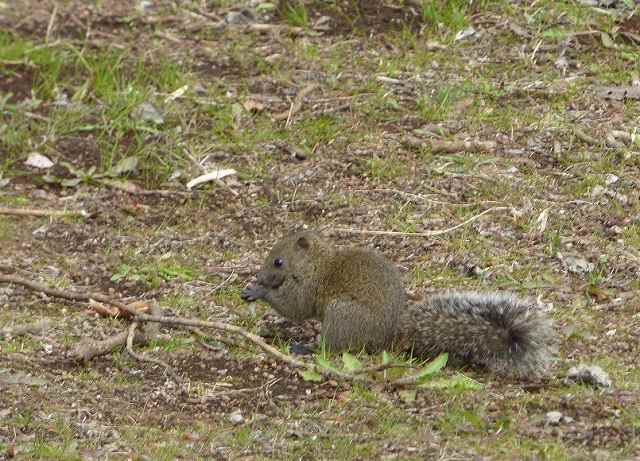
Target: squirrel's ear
[[303, 242]]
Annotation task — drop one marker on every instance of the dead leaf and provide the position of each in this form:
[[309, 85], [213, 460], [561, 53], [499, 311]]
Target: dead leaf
[[253, 106], [38, 161], [102, 309], [212, 176], [465, 33], [176, 94]]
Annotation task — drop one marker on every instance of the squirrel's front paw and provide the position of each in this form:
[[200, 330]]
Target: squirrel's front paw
[[253, 292], [300, 349]]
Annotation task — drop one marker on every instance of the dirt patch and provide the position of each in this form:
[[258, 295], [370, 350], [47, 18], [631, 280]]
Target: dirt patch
[[365, 16], [604, 436], [83, 152], [72, 20], [224, 385], [17, 80]]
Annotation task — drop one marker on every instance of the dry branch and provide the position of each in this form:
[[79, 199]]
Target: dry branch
[[257, 340], [296, 105], [258, 27], [420, 234], [65, 294], [44, 212], [86, 350], [133, 189], [450, 147], [143, 358]]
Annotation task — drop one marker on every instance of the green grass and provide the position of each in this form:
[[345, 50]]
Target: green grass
[[383, 169], [112, 81], [296, 14], [154, 274], [451, 15]]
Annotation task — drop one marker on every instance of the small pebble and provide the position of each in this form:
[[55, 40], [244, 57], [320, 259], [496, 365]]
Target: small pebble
[[611, 179], [236, 418], [554, 418]]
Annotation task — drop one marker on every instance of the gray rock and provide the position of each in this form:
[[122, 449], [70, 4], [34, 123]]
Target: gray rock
[[576, 265], [239, 17], [236, 418], [589, 374], [553, 417], [611, 179]]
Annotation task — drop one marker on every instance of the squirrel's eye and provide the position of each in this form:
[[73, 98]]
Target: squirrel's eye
[[278, 262]]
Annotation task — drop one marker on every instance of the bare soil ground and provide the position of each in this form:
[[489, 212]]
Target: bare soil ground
[[549, 89]]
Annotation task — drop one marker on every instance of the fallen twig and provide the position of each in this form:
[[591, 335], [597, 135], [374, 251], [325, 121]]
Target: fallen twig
[[296, 105], [134, 189], [88, 349], [143, 358], [258, 27], [231, 392], [65, 294], [106, 311], [257, 340], [449, 147], [420, 234], [202, 337], [17, 62], [52, 20], [43, 212]]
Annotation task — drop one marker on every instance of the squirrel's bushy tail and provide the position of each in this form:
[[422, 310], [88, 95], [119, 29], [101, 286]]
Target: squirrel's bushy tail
[[496, 330]]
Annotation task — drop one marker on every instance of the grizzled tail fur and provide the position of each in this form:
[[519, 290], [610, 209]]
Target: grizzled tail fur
[[496, 330]]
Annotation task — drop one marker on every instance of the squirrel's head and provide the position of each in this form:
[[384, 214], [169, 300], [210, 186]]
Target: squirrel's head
[[291, 266]]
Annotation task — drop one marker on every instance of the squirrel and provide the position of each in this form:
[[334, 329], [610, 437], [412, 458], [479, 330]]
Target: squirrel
[[359, 297]]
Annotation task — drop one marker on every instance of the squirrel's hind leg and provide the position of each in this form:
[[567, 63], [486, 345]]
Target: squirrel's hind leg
[[344, 327]]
